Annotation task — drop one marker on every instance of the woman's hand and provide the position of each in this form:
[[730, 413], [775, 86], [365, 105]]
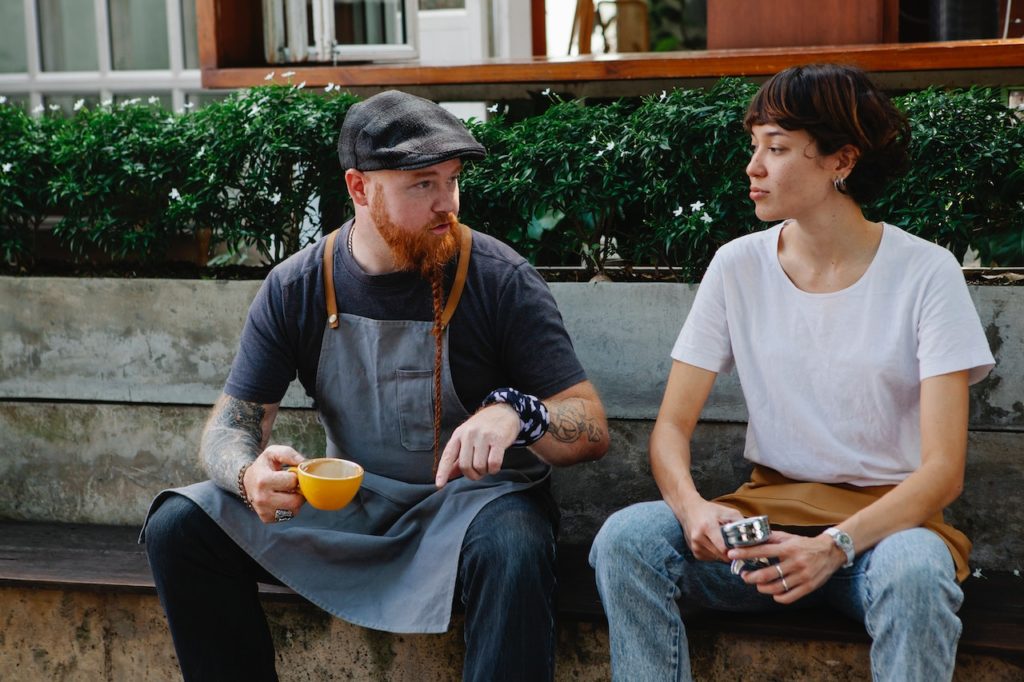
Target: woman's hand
[[702, 522], [804, 564]]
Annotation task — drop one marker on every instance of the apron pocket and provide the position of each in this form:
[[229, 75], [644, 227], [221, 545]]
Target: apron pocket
[[416, 408]]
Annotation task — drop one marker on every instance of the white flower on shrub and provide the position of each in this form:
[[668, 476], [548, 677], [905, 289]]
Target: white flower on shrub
[[545, 92], [1016, 572], [706, 218], [269, 76], [287, 74], [54, 107], [201, 153], [39, 109], [977, 573], [107, 102], [330, 86], [174, 195], [189, 105], [79, 104], [154, 100], [275, 198], [678, 212], [493, 108], [300, 85], [7, 167], [696, 206], [3, 100], [664, 96]]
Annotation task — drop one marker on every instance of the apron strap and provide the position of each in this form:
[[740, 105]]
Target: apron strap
[[465, 250], [332, 301]]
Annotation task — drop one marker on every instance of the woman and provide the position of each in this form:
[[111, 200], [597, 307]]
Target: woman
[[855, 343]]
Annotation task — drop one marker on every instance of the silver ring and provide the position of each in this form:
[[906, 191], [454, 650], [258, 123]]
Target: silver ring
[[785, 587], [282, 515], [781, 576]]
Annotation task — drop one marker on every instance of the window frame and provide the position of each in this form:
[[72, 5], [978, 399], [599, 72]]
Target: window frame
[[107, 82]]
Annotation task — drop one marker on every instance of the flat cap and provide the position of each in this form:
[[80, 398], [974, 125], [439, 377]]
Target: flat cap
[[397, 131]]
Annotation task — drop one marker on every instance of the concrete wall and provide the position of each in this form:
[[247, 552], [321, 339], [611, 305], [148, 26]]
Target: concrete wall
[[105, 384]]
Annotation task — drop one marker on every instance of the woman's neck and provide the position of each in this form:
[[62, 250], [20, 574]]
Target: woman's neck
[[828, 251]]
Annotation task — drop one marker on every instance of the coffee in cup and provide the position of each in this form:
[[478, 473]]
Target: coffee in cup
[[328, 483]]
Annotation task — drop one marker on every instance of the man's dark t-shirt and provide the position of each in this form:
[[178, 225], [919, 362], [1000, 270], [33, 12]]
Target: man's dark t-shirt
[[506, 330]]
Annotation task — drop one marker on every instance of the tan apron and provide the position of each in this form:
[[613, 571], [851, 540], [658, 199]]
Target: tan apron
[[800, 504]]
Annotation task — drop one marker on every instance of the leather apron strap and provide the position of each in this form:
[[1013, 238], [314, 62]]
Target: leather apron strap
[[465, 251], [332, 301]]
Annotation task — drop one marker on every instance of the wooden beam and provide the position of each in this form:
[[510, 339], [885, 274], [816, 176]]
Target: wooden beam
[[538, 28], [1001, 59]]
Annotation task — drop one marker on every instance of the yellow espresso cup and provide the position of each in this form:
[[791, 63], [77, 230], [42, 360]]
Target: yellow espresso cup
[[328, 483]]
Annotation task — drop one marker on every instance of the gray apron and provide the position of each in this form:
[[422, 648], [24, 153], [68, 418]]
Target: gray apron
[[389, 559]]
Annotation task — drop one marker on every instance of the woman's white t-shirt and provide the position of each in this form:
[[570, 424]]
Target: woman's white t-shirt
[[832, 381]]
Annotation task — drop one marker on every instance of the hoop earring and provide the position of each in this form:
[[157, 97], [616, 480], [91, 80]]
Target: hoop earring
[[840, 185]]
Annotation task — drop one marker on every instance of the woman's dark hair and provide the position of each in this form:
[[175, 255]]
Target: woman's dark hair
[[838, 105]]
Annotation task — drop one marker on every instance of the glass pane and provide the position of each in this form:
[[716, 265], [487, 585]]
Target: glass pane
[[138, 34], [198, 100], [13, 58], [18, 100], [370, 22], [162, 99], [189, 35], [442, 4], [69, 104], [67, 35]]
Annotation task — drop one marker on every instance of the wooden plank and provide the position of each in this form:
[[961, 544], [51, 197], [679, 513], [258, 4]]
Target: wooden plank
[[229, 33], [538, 28], [657, 67], [741, 23], [992, 613], [109, 558]]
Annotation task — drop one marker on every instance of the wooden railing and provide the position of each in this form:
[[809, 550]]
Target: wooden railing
[[231, 56]]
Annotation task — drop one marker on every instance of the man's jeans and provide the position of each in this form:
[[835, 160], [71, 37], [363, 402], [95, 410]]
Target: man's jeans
[[506, 581], [903, 590]]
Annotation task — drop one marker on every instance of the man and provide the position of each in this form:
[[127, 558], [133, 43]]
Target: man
[[409, 331]]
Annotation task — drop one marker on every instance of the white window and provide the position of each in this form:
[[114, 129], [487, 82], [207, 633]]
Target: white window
[[54, 52]]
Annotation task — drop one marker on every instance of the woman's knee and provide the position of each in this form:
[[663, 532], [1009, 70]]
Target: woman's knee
[[914, 566], [634, 531]]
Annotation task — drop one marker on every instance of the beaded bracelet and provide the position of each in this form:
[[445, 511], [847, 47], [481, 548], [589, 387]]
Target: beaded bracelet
[[533, 415], [241, 486]]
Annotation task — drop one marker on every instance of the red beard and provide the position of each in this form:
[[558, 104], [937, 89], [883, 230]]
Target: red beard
[[419, 249]]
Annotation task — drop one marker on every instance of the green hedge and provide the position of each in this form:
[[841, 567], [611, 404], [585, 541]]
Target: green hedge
[[653, 181]]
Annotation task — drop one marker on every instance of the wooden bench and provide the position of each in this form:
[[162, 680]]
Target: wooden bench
[[64, 556]]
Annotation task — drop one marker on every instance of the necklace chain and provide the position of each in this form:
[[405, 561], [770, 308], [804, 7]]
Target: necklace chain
[[351, 230]]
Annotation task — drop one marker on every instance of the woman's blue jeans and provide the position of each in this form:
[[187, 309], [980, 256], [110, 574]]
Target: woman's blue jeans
[[903, 590], [506, 582]]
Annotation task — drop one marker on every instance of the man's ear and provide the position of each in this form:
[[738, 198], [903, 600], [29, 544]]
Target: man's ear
[[358, 184]]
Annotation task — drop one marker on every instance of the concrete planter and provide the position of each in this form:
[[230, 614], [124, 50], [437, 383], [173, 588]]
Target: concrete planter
[[105, 385]]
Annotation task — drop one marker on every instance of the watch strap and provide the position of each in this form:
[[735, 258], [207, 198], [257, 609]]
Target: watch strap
[[844, 542]]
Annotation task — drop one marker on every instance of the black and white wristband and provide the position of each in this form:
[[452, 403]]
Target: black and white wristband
[[533, 415]]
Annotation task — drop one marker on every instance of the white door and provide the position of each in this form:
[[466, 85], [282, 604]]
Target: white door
[[460, 32]]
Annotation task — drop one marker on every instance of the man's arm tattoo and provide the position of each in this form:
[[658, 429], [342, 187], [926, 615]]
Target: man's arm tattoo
[[569, 422], [233, 437]]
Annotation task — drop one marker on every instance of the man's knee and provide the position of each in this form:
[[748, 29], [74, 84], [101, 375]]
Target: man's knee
[[514, 539]]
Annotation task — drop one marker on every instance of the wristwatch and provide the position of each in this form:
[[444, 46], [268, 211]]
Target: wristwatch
[[844, 542]]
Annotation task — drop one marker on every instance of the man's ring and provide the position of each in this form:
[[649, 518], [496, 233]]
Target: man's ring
[[282, 515], [785, 587], [779, 569]]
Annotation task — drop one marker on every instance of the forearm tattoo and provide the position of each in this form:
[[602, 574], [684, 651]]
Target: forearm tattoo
[[570, 422], [232, 438]]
